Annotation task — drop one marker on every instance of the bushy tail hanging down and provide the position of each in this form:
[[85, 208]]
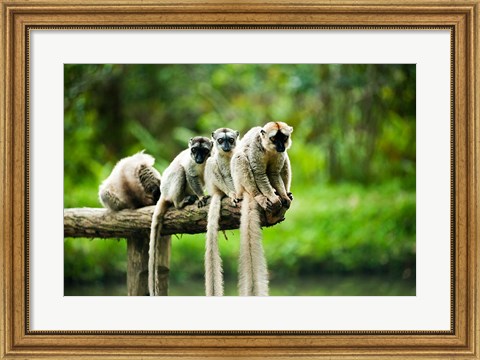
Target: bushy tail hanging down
[[213, 261], [253, 274], [155, 233]]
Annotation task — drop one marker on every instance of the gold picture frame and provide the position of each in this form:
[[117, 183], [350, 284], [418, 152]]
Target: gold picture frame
[[19, 17]]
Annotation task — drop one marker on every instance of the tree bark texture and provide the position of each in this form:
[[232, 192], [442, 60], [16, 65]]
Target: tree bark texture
[[137, 266], [103, 223], [162, 268]]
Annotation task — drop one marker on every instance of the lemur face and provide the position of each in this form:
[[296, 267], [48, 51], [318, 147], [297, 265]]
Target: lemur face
[[276, 136], [200, 148], [225, 139]]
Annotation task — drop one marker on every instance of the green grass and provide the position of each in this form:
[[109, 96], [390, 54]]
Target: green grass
[[94, 260], [344, 229]]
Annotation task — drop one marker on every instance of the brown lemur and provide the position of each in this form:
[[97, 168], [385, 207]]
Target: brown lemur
[[262, 177], [182, 184], [132, 184], [219, 183]]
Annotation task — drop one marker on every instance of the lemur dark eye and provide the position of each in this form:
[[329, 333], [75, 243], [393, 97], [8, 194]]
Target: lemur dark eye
[[272, 139], [230, 141], [194, 150], [220, 141]]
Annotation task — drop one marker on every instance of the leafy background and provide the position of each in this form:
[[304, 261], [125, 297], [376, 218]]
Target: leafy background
[[351, 228]]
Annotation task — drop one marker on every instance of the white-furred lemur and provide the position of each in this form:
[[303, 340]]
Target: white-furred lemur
[[219, 183], [262, 176], [182, 184], [132, 184]]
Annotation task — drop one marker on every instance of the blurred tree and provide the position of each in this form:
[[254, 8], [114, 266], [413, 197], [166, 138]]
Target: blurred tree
[[354, 128], [361, 117]]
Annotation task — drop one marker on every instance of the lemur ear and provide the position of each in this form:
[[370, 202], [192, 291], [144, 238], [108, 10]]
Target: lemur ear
[[238, 133], [262, 132], [190, 141], [213, 134]]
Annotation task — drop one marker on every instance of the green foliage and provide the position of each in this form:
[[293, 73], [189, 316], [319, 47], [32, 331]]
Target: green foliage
[[359, 118], [341, 229], [347, 229], [353, 157], [94, 260]]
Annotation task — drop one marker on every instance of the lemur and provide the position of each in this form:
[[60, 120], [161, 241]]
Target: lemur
[[219, 183], [262, 176], [133, 183], [182, 184]]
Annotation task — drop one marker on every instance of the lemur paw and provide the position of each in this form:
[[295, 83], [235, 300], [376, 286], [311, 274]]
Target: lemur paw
[[277, 205], [264, 202], [236, 201], [286, 203], [233, 198], [203, 201], [189, 200]]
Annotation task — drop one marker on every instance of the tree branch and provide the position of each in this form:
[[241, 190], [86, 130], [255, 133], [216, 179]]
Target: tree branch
[[102, 223]]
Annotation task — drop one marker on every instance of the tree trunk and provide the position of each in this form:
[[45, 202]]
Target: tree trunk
[[137, 266], [162, 270]]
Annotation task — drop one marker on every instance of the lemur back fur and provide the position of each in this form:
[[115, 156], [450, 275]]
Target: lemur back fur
[[133, 183]]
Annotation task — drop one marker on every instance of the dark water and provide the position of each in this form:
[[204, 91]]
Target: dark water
[[310, 286]]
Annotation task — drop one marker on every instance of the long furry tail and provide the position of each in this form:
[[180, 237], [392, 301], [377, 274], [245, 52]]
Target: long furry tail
[[213, 261], [155, 233], [253, 273]]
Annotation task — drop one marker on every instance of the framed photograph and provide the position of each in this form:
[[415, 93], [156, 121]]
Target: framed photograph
[[375, 256]]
